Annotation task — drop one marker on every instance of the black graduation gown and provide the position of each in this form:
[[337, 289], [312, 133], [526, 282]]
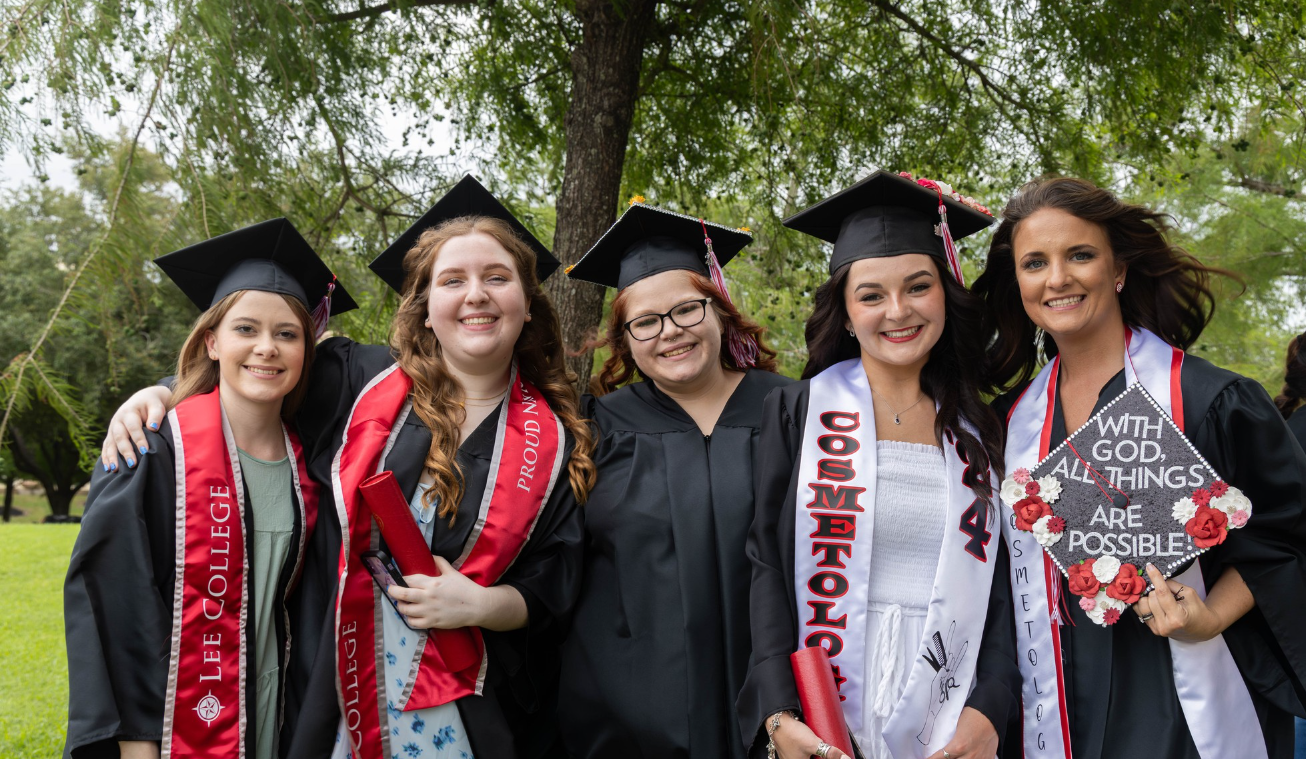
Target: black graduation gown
[[1297, 424], [514, 717], [770, 684], [1120, 691], [118, 601], [660, 643]]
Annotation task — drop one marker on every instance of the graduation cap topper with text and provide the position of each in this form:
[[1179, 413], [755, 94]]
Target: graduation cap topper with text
[[648, 240], [270, 256], [889, 214], [467, 198], [1125, 490]]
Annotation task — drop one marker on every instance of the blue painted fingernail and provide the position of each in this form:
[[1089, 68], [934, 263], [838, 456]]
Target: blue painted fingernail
[[154, 425], [144, 450], [130, 463], [113, 467], [106, 467]]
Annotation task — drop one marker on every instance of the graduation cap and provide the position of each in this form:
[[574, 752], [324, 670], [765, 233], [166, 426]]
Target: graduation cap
[[1126, 489], [270, 256], [647, 240], [467, 198], [889, 214]]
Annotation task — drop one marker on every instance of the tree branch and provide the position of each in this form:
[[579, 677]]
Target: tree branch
[[377, 10], [1269, 188]]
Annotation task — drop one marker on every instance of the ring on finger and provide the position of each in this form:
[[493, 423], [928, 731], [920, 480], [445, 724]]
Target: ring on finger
[[822, 749], [946, 755], [1146, 618]]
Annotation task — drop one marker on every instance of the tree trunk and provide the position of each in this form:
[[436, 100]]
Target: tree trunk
[[9, 497], [605, 71]]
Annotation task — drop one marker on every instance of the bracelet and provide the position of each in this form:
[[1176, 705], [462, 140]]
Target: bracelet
[[774, 723]]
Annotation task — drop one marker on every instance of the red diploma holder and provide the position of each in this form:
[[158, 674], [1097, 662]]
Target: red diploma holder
[[819, 697], [412, 555]]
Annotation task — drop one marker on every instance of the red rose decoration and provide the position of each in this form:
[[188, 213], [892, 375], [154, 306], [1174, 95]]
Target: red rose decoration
[[1030, 510], [1082, 581], [1128, 585], [1219, 488], [1207, 527], [1112, 616], [1056, 524], [1031, 488], [1202, 497]]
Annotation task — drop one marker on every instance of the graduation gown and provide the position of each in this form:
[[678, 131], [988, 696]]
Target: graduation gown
[[660, 641], [1119, 683], [514, 716], [770, 684], [118, 609]]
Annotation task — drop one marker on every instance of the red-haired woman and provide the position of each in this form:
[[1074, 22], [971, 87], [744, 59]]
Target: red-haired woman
[[1216, 667], [659, 642], [471, 408]]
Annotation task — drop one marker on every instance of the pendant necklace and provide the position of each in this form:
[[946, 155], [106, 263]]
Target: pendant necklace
[[896, 414]]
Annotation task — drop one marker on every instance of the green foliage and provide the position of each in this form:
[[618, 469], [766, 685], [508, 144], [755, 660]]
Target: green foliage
[[34, 680]]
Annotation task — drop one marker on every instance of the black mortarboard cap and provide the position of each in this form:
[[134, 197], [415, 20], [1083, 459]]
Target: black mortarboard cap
[[886, 215], [467, 198], [270, 256], [648, 240]]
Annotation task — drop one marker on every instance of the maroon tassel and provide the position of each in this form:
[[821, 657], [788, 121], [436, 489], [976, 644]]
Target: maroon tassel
[[743, 348], [322, 311]]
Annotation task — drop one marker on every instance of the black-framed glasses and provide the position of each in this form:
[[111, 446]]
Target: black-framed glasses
[[683, 315]]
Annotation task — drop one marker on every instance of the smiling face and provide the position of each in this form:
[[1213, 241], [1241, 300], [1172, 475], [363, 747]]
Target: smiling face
[[476, 305], [259, 346], [896, 306], [1067, 274], [678, 358]]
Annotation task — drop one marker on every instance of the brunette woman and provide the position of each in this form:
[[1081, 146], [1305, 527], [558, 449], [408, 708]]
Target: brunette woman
[[659, 644], [178, 603], [876, 498], [1289, 400], [1213, 663], [471, 408]]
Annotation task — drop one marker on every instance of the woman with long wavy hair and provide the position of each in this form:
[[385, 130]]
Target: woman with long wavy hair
[[472, 410], [875, 496], [1216, 667], [187, 609], [659, 643]]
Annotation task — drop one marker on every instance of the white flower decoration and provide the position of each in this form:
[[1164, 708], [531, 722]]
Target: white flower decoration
[[1106, 568], [1043, 535], [1233, 500], [1184, 509], [1049, 488], [1012, 491], [1102, 603]]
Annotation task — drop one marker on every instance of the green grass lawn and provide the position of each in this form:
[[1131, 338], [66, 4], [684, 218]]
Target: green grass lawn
[[34, 675], [35, 507]]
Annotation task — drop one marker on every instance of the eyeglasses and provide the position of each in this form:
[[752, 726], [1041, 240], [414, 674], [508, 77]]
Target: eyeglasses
[[682, 315]]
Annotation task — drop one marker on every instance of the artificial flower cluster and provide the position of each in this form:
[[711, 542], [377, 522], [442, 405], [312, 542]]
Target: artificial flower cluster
[[1032, 501], [1105, 586], [947, 190], [1209, 513]]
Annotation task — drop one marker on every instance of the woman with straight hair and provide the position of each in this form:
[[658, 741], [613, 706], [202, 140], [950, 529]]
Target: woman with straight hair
[[189, 632], [1212, 663], [472, 410], [659, 644], [876, 496]]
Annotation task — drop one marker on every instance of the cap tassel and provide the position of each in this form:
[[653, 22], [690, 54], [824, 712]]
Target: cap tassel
[[322, 311], [743, 348], [949, 247]]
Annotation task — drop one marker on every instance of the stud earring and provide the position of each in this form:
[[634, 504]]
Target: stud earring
[[1119, 286], [852, 334]]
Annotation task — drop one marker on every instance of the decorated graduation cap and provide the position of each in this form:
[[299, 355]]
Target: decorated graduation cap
[[647, 240], [270, 256], [889, 214], [467, 198], [1126, 489]]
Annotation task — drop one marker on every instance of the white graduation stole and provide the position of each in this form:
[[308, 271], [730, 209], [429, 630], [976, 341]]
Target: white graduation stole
[[835, 519], [1211, 690]]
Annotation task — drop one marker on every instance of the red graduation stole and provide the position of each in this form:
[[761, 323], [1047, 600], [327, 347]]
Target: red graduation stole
[[528, 455], [205, 706]]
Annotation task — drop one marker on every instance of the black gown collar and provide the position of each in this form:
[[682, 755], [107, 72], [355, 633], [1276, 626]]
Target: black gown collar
[[741, 405]]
